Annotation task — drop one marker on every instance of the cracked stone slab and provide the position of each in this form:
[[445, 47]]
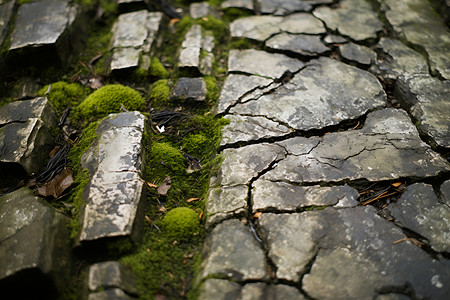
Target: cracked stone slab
[[201, 9], [113, 194], [357, 53], [243, 164], [224, 202], [261, 28], [285, 7], [236, 86], [418, 23], [191, 46], [249, 61], [191, 89], [242, 259], [324, 93], [364, 23], [427, 98], [419, 210], [334, 39], [303, 44], [247, 4], [246, 128], [111, 274], [281, 196], [397, 59], [219, 289], [388, 147], [6, 12]]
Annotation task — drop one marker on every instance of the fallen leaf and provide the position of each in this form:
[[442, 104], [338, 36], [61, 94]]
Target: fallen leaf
[[200, 216], [152, 185], [396, 184], [162, 209], [256, 215], [148, 220], [56, 186], [164, 188], [53, 152], [173, 21], [191, 200]]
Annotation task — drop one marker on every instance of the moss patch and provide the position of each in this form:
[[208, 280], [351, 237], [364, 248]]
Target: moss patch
[[159, 93], [181, 223], [157, 69], [63, 94]]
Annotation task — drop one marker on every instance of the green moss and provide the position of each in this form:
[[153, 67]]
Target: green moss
[[165, 160], [110, 99], [159, 93], [213, 90], [76, 200], [181, 223], [233, 13], [157, 69], [241, 43], [63, 94]]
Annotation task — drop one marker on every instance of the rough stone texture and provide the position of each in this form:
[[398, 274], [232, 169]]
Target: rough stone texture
[[397, 59], [219, 289], [247, 4], [418, 23], [244, 129], [388, 147], [111, 275], [191, 89], [364, 23], [6, 12], [262, 27], [284, 7], [334, 39], [200, 10], [445, 191], [325, 93], [299, 44], [419, 210], [113, 195], [34, 246], [116, 294], [428, 100], [249, 61], [191, 46], [225, 202], [241, 260], [357, 53], [24, 133], [236, 86], [134, 34], [281, 196]]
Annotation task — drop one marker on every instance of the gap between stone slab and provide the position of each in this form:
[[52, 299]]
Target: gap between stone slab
[[407, 289]]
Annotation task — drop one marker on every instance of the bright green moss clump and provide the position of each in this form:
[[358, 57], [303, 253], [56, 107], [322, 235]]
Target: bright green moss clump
[[181, 223], [63, 94], [165, 160], [110, 99], [159, 93], [157, 69]]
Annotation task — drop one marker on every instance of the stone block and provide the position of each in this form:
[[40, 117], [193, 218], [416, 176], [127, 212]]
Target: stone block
[[6, 12], [191, 89], [34, 247]]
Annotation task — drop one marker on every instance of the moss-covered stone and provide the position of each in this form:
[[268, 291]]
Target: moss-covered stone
[[181, 223], [165, 160], [110, 99], [63, 94], [213, 90], [159, 93], [157, 69]]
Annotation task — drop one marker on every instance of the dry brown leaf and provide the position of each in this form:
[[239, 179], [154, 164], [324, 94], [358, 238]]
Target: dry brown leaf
[[192, 199], [56, 186], [53, 152], [173, 21], [148, 220], [200, 216], [256, 215], [162, 209], [396, 184], [164, 188], [152, 185]]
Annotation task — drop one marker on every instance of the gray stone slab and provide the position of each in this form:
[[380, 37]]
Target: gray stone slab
[[419, 210], [225, 202], [113, 195], [397, 59], [109, 294], [281, 196], [123, 58], [334, 39], [191, 89], [247, 4], [364, 23], [249, 61], [445, 191], [418, 23], [244, 129], [219, 289], [388, 147], [25, 133], [200, 10], [325, 93], [300, 44], [34, 244], [284, 7], [190, 48], [193, 37], [6, 12], [259, 290], [243, 259], [357, 53], [42, 23], [263, 27], [236, 86], [428, 100], [109, 275]]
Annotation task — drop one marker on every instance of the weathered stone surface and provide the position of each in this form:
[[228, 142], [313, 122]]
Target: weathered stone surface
[[325, 93], [300, 44], [242, 164], [247, 4], [191, 46], [225, 202], [6, 12], [262, 27], [334, 39], [200, 10], [249, 61], [134, 34], [398, 59], [42, 23], [427, 98], [284, 7], [388, 147], [267, 195], [114, 193], [419, 24], [236, 86], [445, 191], [357, 53], [190, 89], [219, 289], [364, 23], [111, 275], [419, 210], [241, 260], [116, 294], [243, 129], [34, 246], [24, 133]]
